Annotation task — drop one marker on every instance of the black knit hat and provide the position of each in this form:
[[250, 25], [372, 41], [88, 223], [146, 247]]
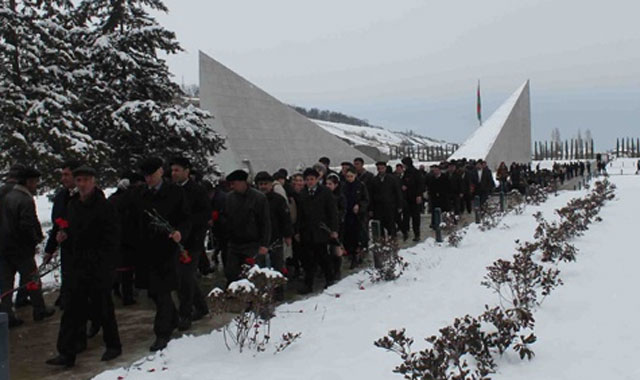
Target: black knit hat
[[237, 175]]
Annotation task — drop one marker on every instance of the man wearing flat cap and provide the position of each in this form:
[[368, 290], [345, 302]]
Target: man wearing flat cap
[[247, 222], [20, 233], [93, 238], [157, 268]]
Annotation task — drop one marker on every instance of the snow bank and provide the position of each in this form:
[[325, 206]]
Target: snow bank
[[340, 325]]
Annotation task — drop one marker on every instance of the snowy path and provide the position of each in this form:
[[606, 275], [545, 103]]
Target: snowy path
[[588, 329], [442, 283]]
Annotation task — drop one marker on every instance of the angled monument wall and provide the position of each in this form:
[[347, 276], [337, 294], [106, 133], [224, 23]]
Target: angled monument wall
[[262, 133], [505, 136]]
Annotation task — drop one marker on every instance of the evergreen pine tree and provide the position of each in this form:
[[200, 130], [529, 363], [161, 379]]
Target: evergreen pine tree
[[42, 69], [133, 104]]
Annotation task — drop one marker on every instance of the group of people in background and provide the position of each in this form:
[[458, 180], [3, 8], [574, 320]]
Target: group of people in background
[[155, 230]]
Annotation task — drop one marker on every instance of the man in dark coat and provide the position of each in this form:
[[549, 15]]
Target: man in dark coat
[[318, 221], [281, 227], [59, 210], [123, 199], [386, 199], [413, 186], [464, 174], [482, 181], [247, 222], [192, 302], [439, 189], [454, 193], [20, 232], [159, 250], [22, 296], [92, 239]]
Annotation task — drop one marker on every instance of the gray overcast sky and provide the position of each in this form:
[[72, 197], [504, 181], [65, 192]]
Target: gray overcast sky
[[414, 64]]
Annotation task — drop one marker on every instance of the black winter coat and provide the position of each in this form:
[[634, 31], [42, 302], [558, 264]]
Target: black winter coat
[[413, 185], [156, 269], [93, 241], [439, 191], [281, 226], [130, 227], [20, 229], [200, 207], [485, 184], [385, 193], [246, 218], [315, 210], [60, 202]]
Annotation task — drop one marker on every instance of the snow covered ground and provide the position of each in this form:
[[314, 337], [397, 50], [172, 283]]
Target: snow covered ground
[[586, 329]]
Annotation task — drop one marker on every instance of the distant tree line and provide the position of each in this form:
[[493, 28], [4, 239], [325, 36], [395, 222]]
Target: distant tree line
[[326, 115]]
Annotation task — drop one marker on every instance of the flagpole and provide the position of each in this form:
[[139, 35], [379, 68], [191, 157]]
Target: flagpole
[[479, 105]]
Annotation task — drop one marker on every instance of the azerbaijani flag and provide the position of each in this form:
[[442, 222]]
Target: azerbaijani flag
[[479, 107]]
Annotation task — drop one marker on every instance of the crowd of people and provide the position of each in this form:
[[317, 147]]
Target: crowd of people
[[152, 232]]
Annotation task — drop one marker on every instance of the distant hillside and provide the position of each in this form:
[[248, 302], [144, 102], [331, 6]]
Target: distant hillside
[[326, 115], [377, 137], [357, 131]]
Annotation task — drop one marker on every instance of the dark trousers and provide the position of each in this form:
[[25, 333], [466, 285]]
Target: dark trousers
[[411, 213], [189, 292], [237, 254], [317, 254], [386, 214], [74, 318], [466, 203], [276, 257], [26, 266], [166, 319], [126, 282]]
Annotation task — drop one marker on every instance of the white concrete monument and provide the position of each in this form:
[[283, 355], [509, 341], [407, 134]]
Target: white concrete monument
[[505, 136], [262, 133]]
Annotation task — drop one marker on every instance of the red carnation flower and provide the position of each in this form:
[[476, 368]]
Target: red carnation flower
[[284, 271], [32, 285], [62, 223], [185, 257], [250, 261], [215, 215]]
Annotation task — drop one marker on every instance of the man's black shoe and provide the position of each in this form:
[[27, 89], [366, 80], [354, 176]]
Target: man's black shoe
[[46, 313], [416, 238], [159, 344], [405, 236], [62, 361], [111, 353]]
